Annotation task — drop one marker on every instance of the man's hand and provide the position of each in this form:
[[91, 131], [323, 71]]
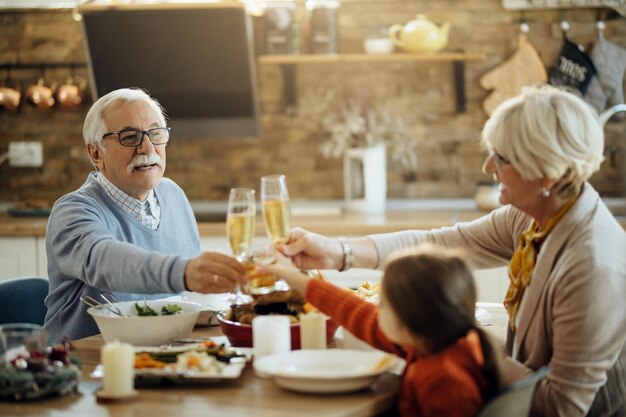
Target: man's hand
[[213, 272]]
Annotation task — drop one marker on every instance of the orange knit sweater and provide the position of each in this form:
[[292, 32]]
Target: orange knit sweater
[[448, 383]]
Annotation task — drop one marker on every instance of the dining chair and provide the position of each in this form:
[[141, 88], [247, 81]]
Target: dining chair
[[22, 300], [514, 400]]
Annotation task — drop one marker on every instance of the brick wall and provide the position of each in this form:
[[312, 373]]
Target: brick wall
[[422, 94]]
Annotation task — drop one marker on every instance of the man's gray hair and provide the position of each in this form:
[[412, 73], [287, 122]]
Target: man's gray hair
[[95, 127], [548, 133]]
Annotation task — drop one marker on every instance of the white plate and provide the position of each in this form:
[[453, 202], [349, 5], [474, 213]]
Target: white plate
[[230, 371], [324, 371]]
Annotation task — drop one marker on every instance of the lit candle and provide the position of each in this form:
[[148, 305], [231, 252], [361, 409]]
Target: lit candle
[[313, 330], [118, 360]]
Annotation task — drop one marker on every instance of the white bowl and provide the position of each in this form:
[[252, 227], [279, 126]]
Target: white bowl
[[149, 330], [378, 46]]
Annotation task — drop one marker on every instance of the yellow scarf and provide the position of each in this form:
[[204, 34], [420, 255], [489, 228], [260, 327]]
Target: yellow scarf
[[523, 260]]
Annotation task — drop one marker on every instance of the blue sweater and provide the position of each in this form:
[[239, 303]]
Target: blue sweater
[[93, 245]]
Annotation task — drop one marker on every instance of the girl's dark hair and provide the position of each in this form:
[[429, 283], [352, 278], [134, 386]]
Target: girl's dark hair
[[431, 290]]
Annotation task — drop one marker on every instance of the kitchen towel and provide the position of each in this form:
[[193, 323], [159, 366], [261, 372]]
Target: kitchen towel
[[524, 68], [606, 90], [573, 69]]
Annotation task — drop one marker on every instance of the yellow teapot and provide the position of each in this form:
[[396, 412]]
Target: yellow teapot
[[420, 35]]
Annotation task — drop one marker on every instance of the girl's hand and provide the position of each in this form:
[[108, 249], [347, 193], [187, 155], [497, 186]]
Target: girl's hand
[[283, 268]]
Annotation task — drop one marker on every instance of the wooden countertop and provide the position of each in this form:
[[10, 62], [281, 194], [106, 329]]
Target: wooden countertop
[[22, 226], [344, 224]]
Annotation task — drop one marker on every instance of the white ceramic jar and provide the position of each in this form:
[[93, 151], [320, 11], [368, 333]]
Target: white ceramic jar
[[487, 196]]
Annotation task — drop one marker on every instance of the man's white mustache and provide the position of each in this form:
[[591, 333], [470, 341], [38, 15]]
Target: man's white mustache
[[145, 160]]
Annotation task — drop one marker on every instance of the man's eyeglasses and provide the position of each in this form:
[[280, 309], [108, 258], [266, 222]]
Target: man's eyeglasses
[[498, 160], [134, 137]]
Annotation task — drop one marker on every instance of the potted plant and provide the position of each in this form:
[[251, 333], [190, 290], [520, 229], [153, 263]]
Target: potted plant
[[362, 134]]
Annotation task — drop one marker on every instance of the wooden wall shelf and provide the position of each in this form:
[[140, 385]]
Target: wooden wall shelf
[[458, 59], [41, 65], [369, 58]]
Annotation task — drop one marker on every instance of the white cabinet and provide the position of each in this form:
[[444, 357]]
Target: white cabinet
[[22, 256], [18, 257]]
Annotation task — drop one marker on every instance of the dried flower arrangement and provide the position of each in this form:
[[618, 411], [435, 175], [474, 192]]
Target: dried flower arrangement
[[354, 123]]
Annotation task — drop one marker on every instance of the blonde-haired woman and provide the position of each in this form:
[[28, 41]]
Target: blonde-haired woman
[[565, 251]]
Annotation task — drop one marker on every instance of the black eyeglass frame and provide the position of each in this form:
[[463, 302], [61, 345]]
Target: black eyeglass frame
[[143, 133]]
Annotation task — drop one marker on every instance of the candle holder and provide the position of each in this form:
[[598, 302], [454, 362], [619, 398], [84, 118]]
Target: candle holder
[[104, 397]]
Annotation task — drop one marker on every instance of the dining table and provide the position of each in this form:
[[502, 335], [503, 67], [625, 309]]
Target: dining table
[[248, 395]]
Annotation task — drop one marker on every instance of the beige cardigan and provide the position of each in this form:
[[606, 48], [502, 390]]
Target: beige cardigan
[[573, 314]]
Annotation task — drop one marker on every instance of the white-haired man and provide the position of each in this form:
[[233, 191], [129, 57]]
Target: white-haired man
[[127, 229]]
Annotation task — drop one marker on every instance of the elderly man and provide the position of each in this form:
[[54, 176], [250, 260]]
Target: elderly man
[[127, 229]]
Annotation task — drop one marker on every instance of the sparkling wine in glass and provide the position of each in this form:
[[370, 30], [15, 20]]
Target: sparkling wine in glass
[[275, 206], [240, 228]]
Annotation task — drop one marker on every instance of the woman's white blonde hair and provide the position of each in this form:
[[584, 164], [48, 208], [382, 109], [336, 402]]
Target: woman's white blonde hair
[[549, 133], [95, 127]]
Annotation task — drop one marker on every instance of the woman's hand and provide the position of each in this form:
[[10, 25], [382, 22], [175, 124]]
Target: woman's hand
[[309, 250], [213, 272], [284, 269]]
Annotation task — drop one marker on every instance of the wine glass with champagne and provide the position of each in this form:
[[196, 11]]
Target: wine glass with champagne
[[275, 207], [240, 229], [276, 216]]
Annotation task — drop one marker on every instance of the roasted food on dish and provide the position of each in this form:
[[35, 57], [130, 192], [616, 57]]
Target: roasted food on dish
[[172, 358], [289, 303], [369, 292]]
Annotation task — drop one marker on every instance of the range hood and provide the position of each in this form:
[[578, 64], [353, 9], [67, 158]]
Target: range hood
[[195, 59]]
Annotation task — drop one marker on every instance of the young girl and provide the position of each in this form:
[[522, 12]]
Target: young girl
[[426, 316]]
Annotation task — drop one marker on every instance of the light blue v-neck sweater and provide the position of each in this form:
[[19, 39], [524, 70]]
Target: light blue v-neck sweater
[[93, 245]]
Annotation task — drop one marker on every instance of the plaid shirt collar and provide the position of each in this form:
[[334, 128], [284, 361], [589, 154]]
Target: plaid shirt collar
[[147, 212]]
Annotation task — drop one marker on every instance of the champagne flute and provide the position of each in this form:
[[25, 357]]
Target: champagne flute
[[277, 210], [240, 229], [275, 207]]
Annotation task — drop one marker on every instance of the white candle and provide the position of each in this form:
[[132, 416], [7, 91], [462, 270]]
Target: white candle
[[313, 330], [118, 360], [271, 334]]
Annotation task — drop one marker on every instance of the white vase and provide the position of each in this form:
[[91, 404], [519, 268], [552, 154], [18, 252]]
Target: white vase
[[365, 179]]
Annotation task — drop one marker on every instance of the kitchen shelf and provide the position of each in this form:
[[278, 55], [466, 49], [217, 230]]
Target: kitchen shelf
[[41, 65], [457, 59], [369, 58]]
